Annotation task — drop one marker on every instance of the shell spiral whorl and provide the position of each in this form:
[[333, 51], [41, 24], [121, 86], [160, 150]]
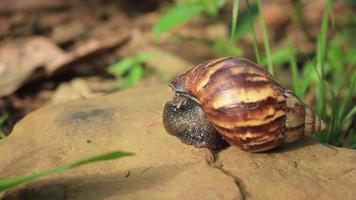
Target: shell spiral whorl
[[246, 104]]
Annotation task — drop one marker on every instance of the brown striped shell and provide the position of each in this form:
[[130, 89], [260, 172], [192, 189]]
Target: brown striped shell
[[246, 104]]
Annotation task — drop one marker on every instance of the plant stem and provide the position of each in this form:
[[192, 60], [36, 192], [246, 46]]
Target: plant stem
[[265, 37], [255, 45], [320, 62], [235, 13]]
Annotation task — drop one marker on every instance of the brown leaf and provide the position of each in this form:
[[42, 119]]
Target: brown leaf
[[8, 6], [20, 58]]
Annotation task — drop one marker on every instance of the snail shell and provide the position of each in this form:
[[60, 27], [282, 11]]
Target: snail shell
[[246, 104]]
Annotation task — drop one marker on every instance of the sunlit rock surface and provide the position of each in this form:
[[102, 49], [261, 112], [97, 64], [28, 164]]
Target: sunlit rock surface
[[163, 167]]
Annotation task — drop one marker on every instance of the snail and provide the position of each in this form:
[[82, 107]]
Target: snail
[[234, 100]]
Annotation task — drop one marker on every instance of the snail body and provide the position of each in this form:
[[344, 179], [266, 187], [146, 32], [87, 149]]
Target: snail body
[[189, 123], [245, 104]]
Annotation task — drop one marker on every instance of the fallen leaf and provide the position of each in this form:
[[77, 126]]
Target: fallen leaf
[[20, 58]]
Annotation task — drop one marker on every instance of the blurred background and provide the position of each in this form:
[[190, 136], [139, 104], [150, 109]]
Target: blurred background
[[52, 51]]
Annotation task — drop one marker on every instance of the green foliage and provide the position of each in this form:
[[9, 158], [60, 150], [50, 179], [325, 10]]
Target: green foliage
[[321, 106], [226, 48], [339, 57], [295, 74], [265, 37], [209, 7], [351, 2], [235, 12], [324, 72], [320, 63], [129, 70], [175, 16], [246, 21], [185, 11], [327, 72], [279, 57], [342, 111], [14, 181], [268, 58], [3, 119], [340, 116], [252, 24]]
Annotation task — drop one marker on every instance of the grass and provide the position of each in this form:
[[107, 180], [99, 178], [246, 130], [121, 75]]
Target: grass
[[265, 38], [235, 13], [295, 74], [251, 20], [331, 104], [320, 63], [14, 181], [320, 70], [340, 115], [338, 132]]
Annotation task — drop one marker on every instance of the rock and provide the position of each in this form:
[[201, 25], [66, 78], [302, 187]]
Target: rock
[[77, 88], [163, 167], [166, 63]]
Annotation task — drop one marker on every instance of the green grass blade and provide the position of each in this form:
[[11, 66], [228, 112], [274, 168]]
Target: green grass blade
[[11, 182], [295, 76], [246, 19], [252, 24], [334, 130], [349, 115], [235, 13], [348, 98], [175, 16], [320, 63], [329, 7], [321, 44], [265, 37], [308, 76]]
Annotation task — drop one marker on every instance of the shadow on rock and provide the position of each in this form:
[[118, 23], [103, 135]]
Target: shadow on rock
[[302, 143], [85, 115], [95, 186]]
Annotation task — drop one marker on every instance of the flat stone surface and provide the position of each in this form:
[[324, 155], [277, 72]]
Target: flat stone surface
[[163, 167]]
